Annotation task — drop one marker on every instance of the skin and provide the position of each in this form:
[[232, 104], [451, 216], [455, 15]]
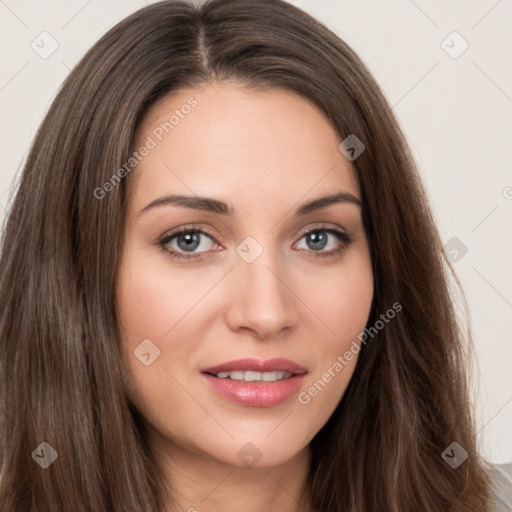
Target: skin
[[265, 153]]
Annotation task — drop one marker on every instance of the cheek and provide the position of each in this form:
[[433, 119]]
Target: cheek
[[151, 298], [342, 305], [158, 303], [144, 307], [144, 314], [341, 301], [149, 305]]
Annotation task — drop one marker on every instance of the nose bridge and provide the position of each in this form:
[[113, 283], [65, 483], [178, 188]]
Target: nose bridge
[[263, 300]]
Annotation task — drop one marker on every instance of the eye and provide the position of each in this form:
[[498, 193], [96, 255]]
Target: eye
[[321, 238], [185, 242]]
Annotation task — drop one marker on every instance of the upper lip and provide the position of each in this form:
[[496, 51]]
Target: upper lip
[[258, 365]]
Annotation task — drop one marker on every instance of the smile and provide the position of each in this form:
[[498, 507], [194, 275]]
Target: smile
[[255, 383]]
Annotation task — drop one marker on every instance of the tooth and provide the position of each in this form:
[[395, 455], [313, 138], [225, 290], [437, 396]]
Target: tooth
[[252, 376]]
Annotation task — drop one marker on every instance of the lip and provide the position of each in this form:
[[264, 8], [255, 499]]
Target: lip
[[256, 393]]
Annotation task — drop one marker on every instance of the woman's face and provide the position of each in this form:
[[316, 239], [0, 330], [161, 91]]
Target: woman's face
[[234, 331]]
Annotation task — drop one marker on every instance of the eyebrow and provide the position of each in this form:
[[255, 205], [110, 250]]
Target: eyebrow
[[209, 204]]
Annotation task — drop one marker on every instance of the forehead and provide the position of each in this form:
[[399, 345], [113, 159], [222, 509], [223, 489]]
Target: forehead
[[228, 140]]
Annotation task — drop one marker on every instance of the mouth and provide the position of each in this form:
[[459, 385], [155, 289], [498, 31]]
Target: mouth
[[255, 383]]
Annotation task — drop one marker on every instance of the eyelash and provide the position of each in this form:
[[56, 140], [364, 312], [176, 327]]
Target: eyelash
[[342, 237]]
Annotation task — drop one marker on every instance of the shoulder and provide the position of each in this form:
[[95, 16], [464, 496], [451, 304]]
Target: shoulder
[[502, 487]]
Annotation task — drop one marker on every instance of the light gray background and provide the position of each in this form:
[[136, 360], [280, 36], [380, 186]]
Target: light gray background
[[456, 113]]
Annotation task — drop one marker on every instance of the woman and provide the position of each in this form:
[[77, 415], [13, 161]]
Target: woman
[[222, 287]]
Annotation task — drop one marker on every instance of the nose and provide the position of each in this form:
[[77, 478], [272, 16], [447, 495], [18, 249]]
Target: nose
[[262, 301]]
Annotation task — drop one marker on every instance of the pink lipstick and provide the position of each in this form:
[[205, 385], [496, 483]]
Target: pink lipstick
[[254, 382]]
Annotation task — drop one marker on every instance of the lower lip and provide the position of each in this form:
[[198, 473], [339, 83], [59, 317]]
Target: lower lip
[[255, 394]]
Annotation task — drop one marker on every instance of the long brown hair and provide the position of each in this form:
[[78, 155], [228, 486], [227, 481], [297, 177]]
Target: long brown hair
[[62, 381]]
